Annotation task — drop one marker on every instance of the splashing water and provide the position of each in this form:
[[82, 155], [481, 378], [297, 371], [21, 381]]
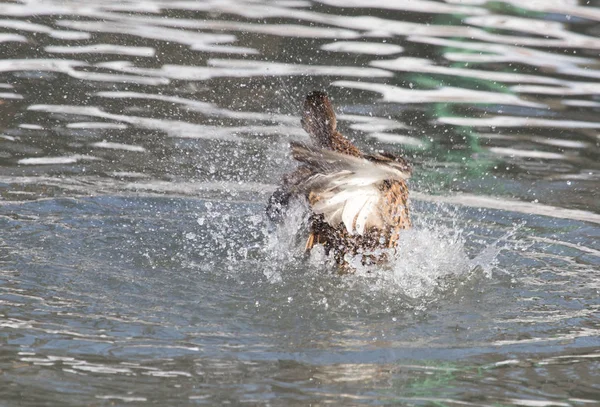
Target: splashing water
[[421, 263], [429, 259], [283, 244]]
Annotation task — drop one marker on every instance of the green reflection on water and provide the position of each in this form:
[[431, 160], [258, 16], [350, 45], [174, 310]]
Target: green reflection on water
[[472, 164], [500, 7]]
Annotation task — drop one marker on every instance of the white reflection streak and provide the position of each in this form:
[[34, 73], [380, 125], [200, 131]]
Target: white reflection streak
[[360, 123], [580, 103], [556, 142], [173, 373], [567, 8], [506, 204], [96, 125], [39, 28], [121, 368], [537, 403], [118, 146], [565, 39], [515, 121], [67, 66], [193, 188], [17, 324], [126, 399], [372, 123], [572, 89], [253, 11], [571, 336], [38, 8], [98, 368], [6, 95], [421, 6], [69, 35], [491, 52], [102, 49], [273, 68], [446, 94], [511, 152], [30, 126], [362, 23], [195, 40], [408, 64], [108, 77], [24, 26], [70, 159], [280, 30], [576, 246], [52, 65], [383, 27], [370, 48], [398, 139], [173, 128], [4, 37], [208, 109], [233, 68]]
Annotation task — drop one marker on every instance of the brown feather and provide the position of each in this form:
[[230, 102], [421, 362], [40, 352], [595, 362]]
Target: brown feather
[[319, 121]]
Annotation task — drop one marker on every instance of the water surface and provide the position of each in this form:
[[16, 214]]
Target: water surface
[[140, 140]]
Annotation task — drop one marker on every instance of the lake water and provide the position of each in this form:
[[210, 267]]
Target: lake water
[[140, 141]]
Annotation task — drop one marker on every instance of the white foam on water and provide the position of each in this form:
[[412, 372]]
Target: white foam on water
[[430, 259], [421, 264], [433, 260]]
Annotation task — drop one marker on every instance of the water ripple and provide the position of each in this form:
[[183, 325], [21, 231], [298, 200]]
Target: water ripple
[[512, 121], [426, 66], [445, 94], [140, 140], [39, 28], [174, 128], [102, 49], [370, 48], [67, 66], [423, 6], [56, 160], [490, 52], [563, 7], [197, 41]]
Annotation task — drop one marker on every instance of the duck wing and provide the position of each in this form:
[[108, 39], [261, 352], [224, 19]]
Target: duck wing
[[347, 189]]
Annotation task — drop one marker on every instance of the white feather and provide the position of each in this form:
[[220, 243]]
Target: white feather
[[356, 208], [346, 188], [368, 215], [329, 162], [352, 207]]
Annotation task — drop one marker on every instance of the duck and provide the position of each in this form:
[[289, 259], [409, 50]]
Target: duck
[[358, 201]]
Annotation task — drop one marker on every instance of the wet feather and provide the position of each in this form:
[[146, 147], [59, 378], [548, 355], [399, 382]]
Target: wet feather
[[346, 189], [359, 202]]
